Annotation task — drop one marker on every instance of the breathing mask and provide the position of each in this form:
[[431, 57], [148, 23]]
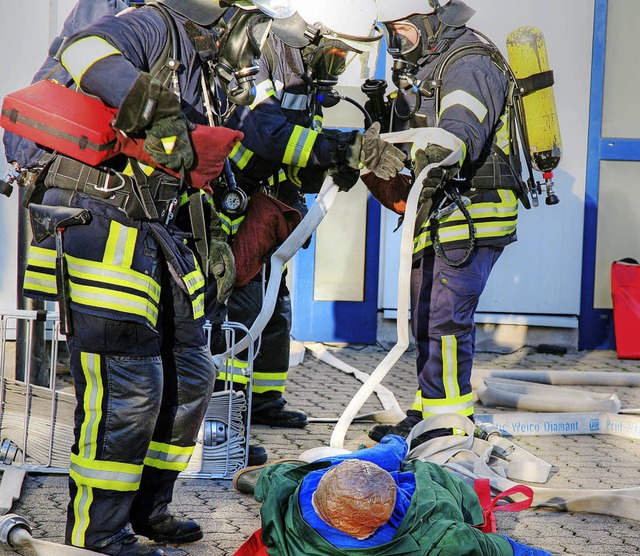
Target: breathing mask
[[326, 61], [242, 38]]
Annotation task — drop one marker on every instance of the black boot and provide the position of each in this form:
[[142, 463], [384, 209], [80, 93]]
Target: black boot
[[169, 529], [257, 455], [272, 412], [129, 546], [403, 428]]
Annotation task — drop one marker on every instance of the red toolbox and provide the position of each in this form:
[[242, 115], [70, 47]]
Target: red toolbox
[[63, 120], [625, 292]]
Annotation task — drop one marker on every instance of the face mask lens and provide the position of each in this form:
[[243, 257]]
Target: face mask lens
[[397, 35], [329, 60]]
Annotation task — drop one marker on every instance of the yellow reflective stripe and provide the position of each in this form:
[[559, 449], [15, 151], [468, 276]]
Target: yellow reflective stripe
[[282, 176], [235, 377], [91, 404], [198, 306], [194, 281], [38, 282], [417, 402], [299, 146], [450, 366], [317, 123], [231, 226], [168, 456], [107, 475], [115, 276], [169, 143], [146, 169], [264, 90], [463, 98], [503, 136], [81, 504], [263, 382], [462, 405], [428, 407], [78, 57], [114, 301], [501, 221], [292, 174], [38, 256], [121, 245], [240, 156], [236, 364]]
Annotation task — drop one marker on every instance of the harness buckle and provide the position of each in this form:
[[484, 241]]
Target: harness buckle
[[105, 188], [169, 211]]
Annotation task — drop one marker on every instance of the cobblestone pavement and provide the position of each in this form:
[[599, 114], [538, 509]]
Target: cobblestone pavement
[[228, 518]]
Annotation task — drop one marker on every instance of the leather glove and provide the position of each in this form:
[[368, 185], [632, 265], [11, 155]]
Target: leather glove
[[168, 142], [221, 261], [382, 158], [152, 108], [211, 145], [422, 158], [345, 148]]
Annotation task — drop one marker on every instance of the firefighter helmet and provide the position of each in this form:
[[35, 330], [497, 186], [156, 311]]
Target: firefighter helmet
[[207, 12], [349, 21]]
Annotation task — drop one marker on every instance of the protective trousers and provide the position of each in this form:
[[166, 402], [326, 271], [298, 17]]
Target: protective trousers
[[141, 396], [272, 359], [443, 304]]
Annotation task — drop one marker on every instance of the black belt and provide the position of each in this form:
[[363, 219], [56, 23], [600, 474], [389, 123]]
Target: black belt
[[153, 199]]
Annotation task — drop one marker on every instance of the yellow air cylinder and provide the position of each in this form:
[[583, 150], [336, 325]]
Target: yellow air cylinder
[[527, 54]]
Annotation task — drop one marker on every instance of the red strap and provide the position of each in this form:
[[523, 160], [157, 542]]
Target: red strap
[[253, 546], [490, 505]]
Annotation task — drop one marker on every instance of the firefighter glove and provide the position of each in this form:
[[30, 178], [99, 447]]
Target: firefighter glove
[[345, 148], [152, 108], [380, 157], [221, 260], [430, 155]]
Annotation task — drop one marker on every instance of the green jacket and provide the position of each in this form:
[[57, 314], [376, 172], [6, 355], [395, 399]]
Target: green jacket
[[438, 521]]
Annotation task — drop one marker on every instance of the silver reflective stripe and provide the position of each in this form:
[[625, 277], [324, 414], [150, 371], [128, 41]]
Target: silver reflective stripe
[[78, 57], [291, 101], [104, 475], [169, 458], [463, 98]]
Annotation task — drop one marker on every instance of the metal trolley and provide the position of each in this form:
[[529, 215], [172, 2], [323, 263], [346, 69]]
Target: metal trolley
[[36, 422]]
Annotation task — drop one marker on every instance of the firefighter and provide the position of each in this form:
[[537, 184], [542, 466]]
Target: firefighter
[[142, 369], [286, 152], [456, 245]]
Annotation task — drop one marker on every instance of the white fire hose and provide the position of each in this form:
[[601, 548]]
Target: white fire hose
[[284, 253], [419, 137], [15, 533]]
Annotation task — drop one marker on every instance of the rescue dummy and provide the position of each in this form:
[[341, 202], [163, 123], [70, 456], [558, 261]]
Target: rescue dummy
[[372, 501]]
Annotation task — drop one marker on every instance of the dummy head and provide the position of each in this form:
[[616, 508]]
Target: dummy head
[[356, 497]]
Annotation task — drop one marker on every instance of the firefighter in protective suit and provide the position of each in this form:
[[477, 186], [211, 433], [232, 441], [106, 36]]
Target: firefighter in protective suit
[[286, 153], [141, 365], [456, 244]]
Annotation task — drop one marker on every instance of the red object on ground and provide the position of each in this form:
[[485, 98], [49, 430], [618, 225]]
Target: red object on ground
[[253, 546], [490, 505], [625, 292]]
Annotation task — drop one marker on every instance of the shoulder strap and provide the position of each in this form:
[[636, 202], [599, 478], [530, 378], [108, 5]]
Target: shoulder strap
[[166, 66]]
